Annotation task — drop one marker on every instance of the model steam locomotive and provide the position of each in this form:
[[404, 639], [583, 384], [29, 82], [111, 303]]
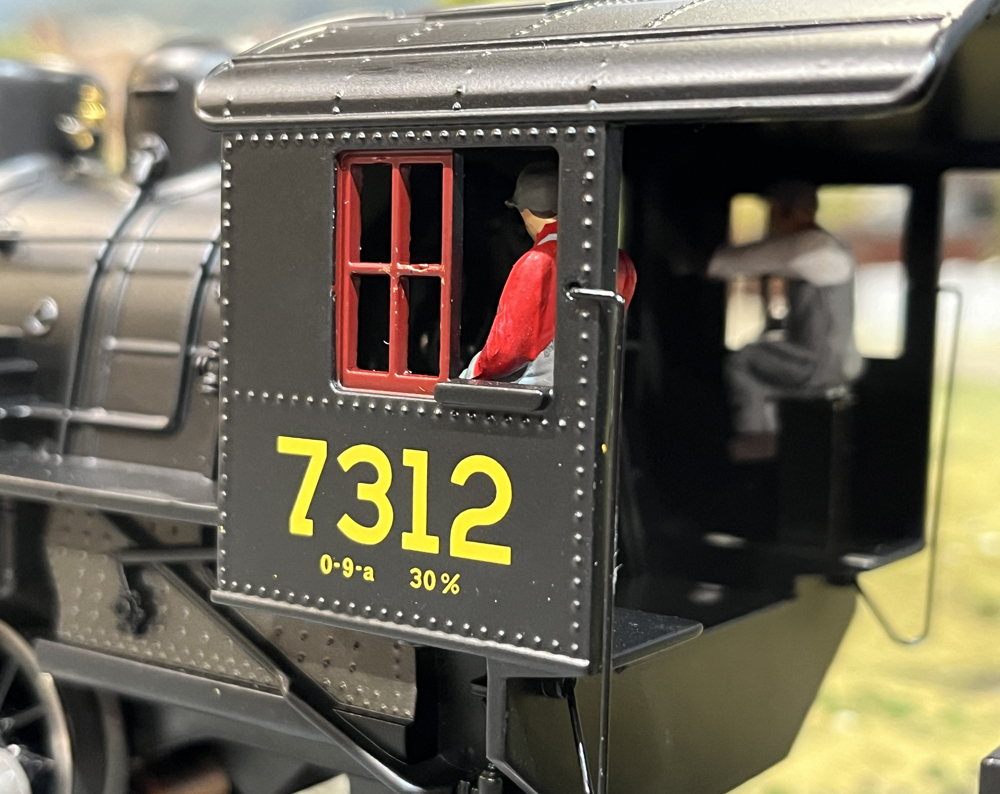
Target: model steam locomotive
[[251, 514]]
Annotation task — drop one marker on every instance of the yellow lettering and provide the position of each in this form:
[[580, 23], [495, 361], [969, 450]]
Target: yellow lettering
[[374, 492], [418, 539], [298, 523], [461, 546]]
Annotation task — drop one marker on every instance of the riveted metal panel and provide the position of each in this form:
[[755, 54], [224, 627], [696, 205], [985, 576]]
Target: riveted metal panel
[[277, 270], [284, 208], [367, 675], [171, 533], [183, 633], [361, 672]]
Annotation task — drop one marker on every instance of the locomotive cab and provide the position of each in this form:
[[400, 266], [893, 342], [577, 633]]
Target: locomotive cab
[[368, 230], [395, 567]]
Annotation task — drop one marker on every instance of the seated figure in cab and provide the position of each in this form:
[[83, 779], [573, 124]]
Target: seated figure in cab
[[817, 352], [521, 342]]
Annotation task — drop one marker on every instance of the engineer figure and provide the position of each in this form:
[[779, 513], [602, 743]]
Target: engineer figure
[[818, 352], [520, 345]]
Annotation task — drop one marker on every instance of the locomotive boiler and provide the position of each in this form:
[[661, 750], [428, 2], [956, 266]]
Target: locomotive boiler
[[252, 514]]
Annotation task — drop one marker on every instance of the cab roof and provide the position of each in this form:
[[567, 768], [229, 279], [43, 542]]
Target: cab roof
[[597, 59]]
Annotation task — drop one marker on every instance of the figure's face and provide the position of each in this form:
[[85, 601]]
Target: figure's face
[[532, 223], [789, 219]]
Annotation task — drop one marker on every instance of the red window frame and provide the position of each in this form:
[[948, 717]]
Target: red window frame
[[398, 379]]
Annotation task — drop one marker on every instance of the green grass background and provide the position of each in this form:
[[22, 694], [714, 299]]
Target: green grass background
[[918, 720]]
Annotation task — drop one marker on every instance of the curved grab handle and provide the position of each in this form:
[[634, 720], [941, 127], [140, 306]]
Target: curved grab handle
[[934, 532]]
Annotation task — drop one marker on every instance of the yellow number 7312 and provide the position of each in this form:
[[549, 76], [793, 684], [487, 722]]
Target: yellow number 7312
[[417, 539]]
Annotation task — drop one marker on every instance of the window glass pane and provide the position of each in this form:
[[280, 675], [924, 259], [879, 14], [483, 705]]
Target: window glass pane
[[373, 322], [880, 309], [425, 182], [870, 220], [375, 188], [424, 337], [747, 219], [971, 261], [745, 318], [971, 216]]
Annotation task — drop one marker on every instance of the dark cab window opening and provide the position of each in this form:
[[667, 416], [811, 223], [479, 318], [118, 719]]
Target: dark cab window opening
[[424, 244]]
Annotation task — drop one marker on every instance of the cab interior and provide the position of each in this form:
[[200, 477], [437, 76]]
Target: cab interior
[[702, 536]]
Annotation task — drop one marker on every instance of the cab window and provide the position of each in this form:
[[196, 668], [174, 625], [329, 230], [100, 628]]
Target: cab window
[[424, 244], [870, 220]]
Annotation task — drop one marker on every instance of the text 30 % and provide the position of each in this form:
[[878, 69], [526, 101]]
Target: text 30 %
[[428, 580]]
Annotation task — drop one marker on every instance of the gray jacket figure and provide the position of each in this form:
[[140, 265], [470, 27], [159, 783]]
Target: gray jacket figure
[[818, 352]]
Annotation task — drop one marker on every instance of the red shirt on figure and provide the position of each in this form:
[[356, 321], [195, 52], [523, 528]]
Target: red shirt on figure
[[525, 322]]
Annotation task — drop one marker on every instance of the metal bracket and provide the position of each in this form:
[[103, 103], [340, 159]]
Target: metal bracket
[[206, 366], [133, 607]]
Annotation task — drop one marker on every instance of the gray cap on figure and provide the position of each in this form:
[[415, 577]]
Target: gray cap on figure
[[537, 189]]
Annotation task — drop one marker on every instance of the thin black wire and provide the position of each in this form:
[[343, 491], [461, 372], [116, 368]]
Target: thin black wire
[[932, 544]]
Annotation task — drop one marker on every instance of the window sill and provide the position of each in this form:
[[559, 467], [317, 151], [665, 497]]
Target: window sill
[[491, 395]]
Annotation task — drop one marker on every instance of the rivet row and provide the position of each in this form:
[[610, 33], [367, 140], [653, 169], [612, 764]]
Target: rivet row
[[378, 136]]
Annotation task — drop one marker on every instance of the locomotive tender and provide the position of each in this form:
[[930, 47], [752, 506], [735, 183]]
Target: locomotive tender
[[248, 504]]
